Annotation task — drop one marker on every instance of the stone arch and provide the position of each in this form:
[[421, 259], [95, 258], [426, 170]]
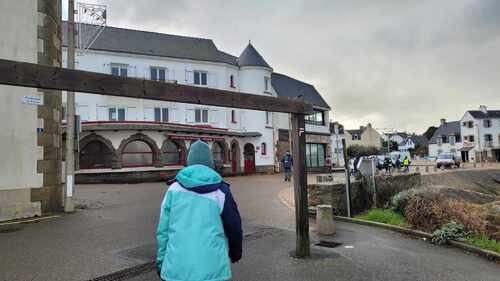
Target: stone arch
[[225, 149], [144, 138], [93, 137], [182, 153]]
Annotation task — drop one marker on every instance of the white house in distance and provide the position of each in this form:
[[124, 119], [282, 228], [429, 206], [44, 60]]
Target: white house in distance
[[447, 139], [119, 133], [481, 135]]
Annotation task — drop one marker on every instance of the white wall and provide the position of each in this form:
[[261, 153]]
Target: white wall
[[18, 140]]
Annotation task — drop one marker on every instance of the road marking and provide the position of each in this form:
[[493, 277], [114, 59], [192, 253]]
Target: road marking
[[30, 221]]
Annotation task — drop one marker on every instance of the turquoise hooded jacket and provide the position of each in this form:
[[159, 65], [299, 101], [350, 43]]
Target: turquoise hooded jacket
[[199, 233]]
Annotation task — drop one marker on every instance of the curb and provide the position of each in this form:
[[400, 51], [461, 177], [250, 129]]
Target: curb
[[490, 255]]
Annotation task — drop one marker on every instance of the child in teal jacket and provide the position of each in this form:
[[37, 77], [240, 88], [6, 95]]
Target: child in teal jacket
[[199, 233]]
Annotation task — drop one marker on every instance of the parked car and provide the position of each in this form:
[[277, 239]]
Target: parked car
[[447, 161]]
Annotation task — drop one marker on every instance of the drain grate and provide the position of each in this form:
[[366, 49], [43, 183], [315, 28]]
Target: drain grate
[[328, 244]]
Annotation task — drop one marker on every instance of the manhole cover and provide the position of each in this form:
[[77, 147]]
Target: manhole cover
[[328, 244]]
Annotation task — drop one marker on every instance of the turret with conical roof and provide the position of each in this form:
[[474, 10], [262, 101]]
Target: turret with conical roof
[[250, 57], [255, 72]]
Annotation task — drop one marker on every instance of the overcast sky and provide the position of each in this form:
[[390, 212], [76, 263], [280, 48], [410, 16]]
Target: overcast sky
[[397, 64]]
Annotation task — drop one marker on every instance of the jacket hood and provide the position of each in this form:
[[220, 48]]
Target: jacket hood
[[200, 153], [199, 178]]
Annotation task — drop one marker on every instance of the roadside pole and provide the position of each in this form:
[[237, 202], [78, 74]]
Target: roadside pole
[[373, 183], [70, 115], [347, 180]]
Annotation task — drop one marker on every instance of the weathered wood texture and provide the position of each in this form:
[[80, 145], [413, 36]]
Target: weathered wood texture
[[300, 185], [56, 78]]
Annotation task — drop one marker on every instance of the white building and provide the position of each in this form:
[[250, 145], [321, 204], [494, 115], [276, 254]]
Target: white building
[[481, 135], [447, 139], [129, 133]]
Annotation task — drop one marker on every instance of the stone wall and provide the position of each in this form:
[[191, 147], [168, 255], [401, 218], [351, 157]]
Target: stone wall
[[361, 192], [49, 53]]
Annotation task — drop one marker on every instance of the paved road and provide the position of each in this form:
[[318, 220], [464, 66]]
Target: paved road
[[117, 231]]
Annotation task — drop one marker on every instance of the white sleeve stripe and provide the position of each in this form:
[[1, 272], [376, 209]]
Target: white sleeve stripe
[[217, 196]]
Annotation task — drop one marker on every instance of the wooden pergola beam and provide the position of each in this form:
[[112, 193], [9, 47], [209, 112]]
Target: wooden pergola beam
[[55, 78]]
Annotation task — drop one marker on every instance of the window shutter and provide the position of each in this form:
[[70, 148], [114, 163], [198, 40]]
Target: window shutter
[[149, 114], [212, 116], [189, 78], [212, 80], [175, 115], [102, 113], [190, 115], [131, 114]]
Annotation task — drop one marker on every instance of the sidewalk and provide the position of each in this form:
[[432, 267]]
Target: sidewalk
[[365, 254]]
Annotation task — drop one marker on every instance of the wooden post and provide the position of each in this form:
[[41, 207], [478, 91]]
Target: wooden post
[[300, 186], [347, 179]]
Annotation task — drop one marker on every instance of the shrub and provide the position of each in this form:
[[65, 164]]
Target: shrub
[[400, 200], [384, 216], [430, 211], [449, 231]]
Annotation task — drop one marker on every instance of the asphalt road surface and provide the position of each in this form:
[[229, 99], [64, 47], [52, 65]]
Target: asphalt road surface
[[115, 230]]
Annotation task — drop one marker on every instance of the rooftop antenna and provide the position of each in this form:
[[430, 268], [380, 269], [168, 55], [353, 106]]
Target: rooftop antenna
[[91, 20]]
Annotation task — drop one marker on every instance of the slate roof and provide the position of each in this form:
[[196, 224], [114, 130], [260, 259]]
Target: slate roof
[[419, 140], [446, 129], [250, 57], [481, 115], [356, 131], [291, 88], [122, 40]]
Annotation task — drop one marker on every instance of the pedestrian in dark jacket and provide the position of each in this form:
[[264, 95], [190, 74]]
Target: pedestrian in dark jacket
[[199, 233], [287, 165]]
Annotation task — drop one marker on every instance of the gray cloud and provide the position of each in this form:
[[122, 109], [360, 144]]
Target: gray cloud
[[395, 63]]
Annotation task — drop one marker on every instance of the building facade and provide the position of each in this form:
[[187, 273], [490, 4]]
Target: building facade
[[447, 139], [124, 133], [365, 136], [30, 143], [480, 130]]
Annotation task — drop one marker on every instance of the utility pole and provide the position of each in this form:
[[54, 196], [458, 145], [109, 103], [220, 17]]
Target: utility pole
[[70, 115]]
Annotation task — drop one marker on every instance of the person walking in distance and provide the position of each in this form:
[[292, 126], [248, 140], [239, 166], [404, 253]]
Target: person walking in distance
[[287, 165], [199, 232], [406, 165]]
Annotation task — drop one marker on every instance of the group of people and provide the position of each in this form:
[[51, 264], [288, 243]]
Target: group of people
[[199, 233], [398, 164]]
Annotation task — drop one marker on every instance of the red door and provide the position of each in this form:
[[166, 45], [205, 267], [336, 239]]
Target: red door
[[249, 159]]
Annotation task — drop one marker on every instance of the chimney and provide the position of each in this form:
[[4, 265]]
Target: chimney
[[443, 121], [369, 125], [483, 108]]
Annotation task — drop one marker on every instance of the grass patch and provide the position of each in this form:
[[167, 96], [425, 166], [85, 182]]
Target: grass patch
[[384, 216], [484, 242]]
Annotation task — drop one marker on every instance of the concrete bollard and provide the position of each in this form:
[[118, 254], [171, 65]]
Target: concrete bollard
[[324, 220]]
